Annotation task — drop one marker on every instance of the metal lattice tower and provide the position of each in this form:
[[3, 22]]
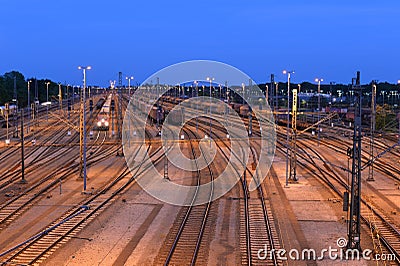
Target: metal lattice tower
[[166, 163], [36, 103], [250, 90], [60, 96], [81, 131], [293, 144], [271, 92], [354, 215], [36, 91], [120, 79], [120, 105], [15, 101], [373, 123], [158, 103]]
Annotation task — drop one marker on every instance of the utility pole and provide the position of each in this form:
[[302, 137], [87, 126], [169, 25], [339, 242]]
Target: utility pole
[[355, 152], [287, 128], [82, 129], [373, 124]]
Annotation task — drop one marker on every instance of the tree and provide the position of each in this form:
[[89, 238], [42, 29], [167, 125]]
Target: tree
[[7, 87]]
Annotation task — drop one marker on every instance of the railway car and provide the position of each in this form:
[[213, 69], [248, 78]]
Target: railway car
[[214, 107], [157, 114], [11, 109], [236, 107], [100, 103], [244, 110], [218, 109], [103, 117], [176, 117]]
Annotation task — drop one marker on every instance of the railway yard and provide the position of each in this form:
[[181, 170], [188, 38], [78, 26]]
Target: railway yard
[[47, 219]]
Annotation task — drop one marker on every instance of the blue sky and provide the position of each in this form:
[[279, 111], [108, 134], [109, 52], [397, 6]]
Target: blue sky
[[328, 39]]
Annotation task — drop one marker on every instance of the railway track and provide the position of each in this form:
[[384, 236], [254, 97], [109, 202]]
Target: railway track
[[184, 242], [45, 154], [18, 204], [380, 225], [376, 222], [37, 248], [256, 220]]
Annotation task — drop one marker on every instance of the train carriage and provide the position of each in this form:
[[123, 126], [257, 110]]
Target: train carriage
[[104, 114]]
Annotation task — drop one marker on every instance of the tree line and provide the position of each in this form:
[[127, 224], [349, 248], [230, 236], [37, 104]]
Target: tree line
[[16, 79], [21, 83]]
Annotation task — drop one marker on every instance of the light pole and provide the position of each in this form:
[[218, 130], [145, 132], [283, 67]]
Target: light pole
[[83, 127], [210, 80], [129, 84], [29, 106], [319, 103], [288, 73]]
